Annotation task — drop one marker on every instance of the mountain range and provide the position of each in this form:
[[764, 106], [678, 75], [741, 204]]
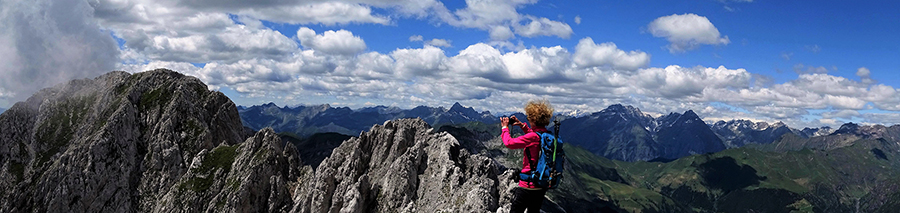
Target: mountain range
[[625, 133], [307, 120], [618, 132], [159, 141]]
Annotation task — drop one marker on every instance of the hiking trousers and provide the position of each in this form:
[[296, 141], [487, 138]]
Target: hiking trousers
[[527, 199]]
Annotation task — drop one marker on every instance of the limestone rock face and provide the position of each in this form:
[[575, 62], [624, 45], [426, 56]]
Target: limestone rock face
[[405, 166], [141, 142], [253, 176], [159, 141]]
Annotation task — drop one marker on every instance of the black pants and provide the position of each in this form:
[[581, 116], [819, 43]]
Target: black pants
[[527, 199]]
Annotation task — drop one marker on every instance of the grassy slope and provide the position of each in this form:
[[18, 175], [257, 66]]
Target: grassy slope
[[734, 180], [803, 180]]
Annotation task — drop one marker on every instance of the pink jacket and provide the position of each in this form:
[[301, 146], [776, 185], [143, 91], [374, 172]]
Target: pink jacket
[[532, 140]]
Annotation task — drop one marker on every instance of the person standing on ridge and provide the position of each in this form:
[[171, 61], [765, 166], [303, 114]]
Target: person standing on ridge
[[538, 112]]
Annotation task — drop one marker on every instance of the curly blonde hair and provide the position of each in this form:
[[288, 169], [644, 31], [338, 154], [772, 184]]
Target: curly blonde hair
[[539, 112]]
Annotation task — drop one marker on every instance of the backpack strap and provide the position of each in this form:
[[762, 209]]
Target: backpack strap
[[533, 163]]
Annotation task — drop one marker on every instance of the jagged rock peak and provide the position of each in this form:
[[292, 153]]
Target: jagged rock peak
[[690, 113], [457, 107], [627, 110], [115, 143], [401, 166], [254, 176]]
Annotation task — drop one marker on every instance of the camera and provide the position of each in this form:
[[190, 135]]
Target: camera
[[513, 119]]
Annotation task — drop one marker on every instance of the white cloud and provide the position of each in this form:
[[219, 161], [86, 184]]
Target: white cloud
[[865, 75], [418, 62], [778, 112], [686, 32], [333, 66], [497, 16], [479, 60], [801, 69], [543, 27], [829, 84], [536, 64], [814, 48], [679, 82], [845, 114], [44, 43], [500, 33], [887, 119], [439, 42], [590, 54], [328, 13], [577, 19], [331, 42]]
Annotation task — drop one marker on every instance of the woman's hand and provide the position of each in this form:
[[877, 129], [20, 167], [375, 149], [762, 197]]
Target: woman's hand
[[504, 122], [515, 121]]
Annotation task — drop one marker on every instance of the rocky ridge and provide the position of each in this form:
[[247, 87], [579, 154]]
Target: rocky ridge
[[737, 133], [625, 133], [405, 166], [156, 141], [159, 141]]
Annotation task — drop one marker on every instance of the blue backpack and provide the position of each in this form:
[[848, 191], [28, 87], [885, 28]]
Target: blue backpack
[[550, 162]]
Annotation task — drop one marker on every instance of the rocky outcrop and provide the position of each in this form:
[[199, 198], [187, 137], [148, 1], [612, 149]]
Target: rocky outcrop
[[159, 141], [403, 166], [253, 176], [153, 141]]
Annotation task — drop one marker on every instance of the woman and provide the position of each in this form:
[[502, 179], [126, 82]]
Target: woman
[[538, 112]]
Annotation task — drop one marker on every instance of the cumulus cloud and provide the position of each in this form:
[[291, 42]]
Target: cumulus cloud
[[844, 114], [865, 75], [439, 42], [44, 43], [887, 119], [331, 42], [500, 33], [686, 32], [577, 19], [497, 17], [328, 13], [537, 64], [262, 64], [801, 69], [419, 62], [679, 82], [590, 54], [543, 27]]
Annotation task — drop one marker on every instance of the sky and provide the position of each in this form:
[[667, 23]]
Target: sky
[[804, 63]]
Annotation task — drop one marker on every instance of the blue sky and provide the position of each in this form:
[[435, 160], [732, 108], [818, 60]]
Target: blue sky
[[804, 63]]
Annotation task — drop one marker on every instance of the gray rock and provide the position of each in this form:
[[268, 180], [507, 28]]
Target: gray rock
[[141, 142], [403, 165], [159, 141]]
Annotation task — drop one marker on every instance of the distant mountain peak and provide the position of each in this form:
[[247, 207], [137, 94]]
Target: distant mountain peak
[[457, 105], [619, 108], [847, 128], [690, 113], [616, 108], [459, 108]]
